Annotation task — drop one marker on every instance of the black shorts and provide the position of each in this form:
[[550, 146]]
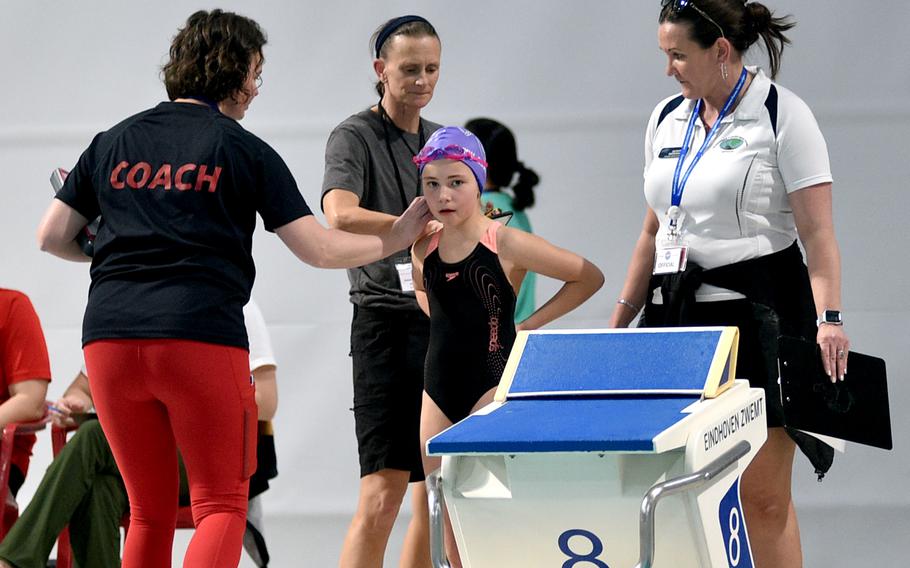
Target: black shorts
[[753, 362], [388, 349]]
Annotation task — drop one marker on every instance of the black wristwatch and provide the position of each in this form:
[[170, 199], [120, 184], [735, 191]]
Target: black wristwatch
[[830, 317]]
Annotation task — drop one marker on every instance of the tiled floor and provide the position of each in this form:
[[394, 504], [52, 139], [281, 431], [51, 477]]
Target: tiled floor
[[832, 538]]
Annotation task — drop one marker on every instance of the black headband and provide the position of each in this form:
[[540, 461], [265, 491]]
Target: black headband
[[393, 25]]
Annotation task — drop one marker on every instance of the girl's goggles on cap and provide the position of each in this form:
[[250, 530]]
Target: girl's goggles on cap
[[450, 152]]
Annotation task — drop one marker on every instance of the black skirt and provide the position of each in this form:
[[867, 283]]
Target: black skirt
[[778, 302]]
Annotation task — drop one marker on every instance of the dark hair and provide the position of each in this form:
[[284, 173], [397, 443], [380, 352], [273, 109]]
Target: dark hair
[[743, 23], [502, 157], [419, 28], [211, 56]]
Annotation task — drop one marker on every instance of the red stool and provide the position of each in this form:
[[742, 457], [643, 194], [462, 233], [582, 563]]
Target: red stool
[[9, 510]]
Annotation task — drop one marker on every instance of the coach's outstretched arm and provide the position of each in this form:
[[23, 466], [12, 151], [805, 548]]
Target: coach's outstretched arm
[[334, 248]]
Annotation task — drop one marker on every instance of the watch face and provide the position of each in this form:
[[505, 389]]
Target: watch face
[[832, 316]]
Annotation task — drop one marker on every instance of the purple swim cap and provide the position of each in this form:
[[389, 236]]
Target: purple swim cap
[[455, 143]]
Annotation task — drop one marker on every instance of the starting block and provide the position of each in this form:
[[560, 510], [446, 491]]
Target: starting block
[[589, 430]]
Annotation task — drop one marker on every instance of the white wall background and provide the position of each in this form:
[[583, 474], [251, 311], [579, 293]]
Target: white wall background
[[576, 81]]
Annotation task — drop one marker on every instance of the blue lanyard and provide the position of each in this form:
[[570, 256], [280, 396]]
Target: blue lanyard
[[680, 185]]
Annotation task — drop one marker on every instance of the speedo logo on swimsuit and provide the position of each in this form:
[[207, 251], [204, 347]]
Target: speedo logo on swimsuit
[[183, 178], [494, 334], [451, 276]]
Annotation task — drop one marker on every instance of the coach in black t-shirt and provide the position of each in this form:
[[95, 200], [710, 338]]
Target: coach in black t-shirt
[[178, 187]]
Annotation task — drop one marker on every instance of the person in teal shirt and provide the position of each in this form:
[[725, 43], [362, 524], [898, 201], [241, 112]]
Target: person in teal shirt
[[499, 193]]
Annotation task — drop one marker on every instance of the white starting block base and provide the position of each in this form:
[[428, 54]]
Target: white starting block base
[[565, 482], [548, 499], [546, 509]]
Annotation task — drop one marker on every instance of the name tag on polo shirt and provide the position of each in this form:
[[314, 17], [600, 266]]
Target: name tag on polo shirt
[[669, 152], [405, 276], [670, 259]]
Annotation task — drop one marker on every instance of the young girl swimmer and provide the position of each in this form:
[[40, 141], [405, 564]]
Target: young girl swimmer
[[466, 275]]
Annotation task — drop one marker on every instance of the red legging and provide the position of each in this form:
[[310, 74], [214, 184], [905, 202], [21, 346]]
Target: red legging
[[151, 392]]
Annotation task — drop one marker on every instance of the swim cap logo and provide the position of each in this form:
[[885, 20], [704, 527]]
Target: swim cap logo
[[732, 143]]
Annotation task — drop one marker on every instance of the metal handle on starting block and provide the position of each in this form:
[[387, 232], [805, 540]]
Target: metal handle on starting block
[[437, 521], [695, 480]]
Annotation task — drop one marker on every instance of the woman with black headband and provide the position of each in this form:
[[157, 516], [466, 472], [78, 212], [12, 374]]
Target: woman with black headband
[[369, 180], [736, 168]]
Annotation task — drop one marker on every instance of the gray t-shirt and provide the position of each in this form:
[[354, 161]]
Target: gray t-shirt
[[357, 160]]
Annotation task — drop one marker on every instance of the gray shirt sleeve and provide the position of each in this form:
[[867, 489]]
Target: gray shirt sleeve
[[358, 158], [346, 162]]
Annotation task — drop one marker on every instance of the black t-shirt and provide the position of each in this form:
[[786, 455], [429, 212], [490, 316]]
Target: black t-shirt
[[177, 187]]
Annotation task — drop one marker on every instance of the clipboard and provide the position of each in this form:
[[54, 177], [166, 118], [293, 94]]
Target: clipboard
[[855, 409]]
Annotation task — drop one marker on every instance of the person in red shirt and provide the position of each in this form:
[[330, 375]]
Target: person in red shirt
[[24, 374]]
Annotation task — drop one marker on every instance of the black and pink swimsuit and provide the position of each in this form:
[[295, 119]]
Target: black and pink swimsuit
[[472, 308]]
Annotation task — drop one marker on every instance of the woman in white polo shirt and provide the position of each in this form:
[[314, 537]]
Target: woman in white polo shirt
[[734, 166]]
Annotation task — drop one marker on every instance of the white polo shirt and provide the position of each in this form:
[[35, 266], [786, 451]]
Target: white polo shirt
[[735, 204]]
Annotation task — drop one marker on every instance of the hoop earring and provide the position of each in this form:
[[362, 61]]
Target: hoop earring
[[723, 71]]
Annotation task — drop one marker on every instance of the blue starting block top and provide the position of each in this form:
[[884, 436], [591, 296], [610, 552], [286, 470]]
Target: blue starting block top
[[560, 425], [600, 390], [655, 360]]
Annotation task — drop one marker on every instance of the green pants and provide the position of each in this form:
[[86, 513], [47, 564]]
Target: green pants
[[82, 488]]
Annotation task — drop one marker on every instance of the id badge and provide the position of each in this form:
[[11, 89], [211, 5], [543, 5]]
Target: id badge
[[405, 276], [670, 258]]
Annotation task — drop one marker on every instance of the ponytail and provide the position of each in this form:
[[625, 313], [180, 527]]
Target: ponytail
[[524, 187], [758, 21]]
